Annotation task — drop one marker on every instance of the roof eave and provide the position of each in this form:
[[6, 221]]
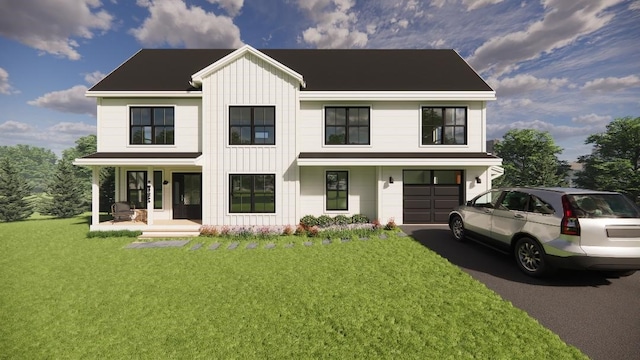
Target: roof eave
[[399, 95], [143, 94]]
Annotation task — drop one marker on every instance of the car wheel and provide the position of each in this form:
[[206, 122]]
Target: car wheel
[[457, 228], [530, 257]]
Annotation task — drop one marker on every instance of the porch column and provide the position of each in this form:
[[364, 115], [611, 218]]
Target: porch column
[[150, 195], [95, 195]]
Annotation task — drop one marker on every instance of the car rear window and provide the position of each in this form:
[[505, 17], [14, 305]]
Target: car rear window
[[603, 206]]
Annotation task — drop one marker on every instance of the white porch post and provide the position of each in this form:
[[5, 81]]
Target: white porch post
[[150, 195], [95, 195]]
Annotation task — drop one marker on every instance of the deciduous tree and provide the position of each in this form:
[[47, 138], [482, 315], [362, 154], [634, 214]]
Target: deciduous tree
[[530, 158]]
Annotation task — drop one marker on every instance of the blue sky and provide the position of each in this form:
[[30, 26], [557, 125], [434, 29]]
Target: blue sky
[[566, 67]]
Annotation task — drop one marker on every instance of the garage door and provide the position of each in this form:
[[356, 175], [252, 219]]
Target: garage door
[[429, 195]]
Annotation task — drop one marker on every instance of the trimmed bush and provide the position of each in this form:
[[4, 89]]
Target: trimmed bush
[[342, 220], [359, 219], [308, 221], [325, 221]]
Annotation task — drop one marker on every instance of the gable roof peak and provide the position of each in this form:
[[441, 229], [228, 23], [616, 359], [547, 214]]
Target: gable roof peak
[[196, 79]]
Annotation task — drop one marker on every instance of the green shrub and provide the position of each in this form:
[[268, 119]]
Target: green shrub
[[342, 220], [308, 221], [359, 219], [114, 234], [325, 221]]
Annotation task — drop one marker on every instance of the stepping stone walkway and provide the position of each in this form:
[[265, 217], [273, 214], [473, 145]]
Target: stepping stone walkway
[[158, 244], [252, 246], [326, 242], [233, 246], [196, 247], [214, 246], [270, 246]]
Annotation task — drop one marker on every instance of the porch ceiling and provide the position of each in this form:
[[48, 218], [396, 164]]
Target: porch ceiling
[[140, 158]]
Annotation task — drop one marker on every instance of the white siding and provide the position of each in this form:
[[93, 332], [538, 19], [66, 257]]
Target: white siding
[[113, 125], [249, 81], [395, 127], [362, 191]]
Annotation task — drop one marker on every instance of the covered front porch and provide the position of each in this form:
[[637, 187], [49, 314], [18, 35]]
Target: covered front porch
[[162, 191]]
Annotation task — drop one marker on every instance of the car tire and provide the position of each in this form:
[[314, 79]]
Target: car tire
[[530, 257], [457, 228], [618, 273]]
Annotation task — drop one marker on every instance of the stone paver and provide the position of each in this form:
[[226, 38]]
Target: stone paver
[[214, 246], [233, 246], [196, 247], [308, 243], [252, 246], [326, 242], [270, 246], [158, 244]]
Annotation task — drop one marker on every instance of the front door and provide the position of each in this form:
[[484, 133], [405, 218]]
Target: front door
[[187, 196]]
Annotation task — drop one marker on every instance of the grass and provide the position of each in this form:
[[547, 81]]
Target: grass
[[65, 296]]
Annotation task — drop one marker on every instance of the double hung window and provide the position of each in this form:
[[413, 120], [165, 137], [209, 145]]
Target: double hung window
[[255, 193], [337, 190], [252, 125], [151, 125], [444, 126], [346, 125]]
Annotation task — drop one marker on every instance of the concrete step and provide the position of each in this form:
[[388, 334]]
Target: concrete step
[[167, 234]]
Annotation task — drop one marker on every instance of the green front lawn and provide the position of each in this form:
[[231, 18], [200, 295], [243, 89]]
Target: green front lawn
[[65, 296]]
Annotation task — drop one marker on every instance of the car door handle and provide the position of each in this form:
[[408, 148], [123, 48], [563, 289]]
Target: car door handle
[[518, 216]]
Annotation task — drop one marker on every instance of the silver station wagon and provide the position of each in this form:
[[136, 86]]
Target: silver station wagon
[[549, 228]]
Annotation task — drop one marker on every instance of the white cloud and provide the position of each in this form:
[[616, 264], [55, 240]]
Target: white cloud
[[592, 119], [51, 26], [612, 84], [525, 83], [403, 23], [437, 44], [477, 4], [635, 5], [563, 23], [94, 77], [5, 86], [335, 24], [172, 22], [68, 101], [231, 6], [15, 127], [73, 128]]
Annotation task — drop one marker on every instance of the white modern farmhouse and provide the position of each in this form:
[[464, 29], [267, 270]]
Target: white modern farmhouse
[[264, 137]]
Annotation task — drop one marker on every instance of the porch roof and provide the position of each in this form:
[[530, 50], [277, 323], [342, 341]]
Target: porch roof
[[140, 158], [397, 159]]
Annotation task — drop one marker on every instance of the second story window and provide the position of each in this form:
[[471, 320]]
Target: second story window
[[252, 125], [444, 126], [346, 126], [151, 125]]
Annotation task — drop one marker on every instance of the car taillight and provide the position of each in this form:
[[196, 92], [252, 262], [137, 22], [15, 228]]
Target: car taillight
[[570, 224]]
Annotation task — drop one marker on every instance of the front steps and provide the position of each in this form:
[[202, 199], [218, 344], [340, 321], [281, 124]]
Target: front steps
[[182, 231]]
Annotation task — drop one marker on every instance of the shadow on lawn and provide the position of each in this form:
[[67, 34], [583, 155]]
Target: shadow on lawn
[[476, 257]]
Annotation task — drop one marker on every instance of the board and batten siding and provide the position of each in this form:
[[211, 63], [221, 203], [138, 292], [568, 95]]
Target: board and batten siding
[[362, 190], [395, 127], [113, 124], [248, 81]]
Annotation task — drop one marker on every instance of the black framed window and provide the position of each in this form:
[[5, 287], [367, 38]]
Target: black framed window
[[444, 125], [255, 193], [337, 190], [137, 189], [346, 125], [151, 125], [252, 125]]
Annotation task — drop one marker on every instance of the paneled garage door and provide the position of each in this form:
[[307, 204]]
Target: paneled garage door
[[429, 195]]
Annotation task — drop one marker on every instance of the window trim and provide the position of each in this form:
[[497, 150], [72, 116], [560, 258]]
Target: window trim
[[346, 144], [326, 190], [252, 125], [439, 106], [150, 106], [252, 211]]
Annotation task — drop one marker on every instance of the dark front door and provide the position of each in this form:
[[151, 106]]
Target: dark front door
[[187, 196]]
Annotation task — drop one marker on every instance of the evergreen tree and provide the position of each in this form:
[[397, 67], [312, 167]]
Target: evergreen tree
[[13, 192], [65, 191]]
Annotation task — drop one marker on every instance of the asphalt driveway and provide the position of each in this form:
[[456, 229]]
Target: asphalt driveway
[[598, 315]]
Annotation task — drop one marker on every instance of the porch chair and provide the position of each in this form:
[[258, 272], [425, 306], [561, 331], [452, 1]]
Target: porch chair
[[121, 211]]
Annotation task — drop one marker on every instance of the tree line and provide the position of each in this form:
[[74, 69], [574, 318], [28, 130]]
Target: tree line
[[33, 179]]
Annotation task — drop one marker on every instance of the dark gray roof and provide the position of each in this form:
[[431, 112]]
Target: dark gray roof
[[142, 155], [322, 70]]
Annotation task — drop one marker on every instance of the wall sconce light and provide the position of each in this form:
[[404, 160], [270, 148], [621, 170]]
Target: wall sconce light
[[390, 179], [478, 180], [165, 182]]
